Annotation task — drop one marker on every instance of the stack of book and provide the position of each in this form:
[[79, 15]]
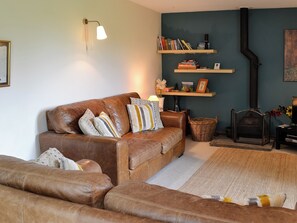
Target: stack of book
[[172, 44], [188, 65]]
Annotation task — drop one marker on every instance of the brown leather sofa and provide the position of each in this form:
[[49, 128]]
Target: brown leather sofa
[[134, 156], [33, 193]]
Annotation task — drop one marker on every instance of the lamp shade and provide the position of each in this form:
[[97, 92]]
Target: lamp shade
[[153, 98], [101, 34]]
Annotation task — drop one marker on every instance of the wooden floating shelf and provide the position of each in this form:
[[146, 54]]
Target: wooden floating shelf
[[205, 71], [210, 51], [190, 94]]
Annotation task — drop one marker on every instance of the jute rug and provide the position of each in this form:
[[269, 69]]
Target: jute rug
[[241, 174]]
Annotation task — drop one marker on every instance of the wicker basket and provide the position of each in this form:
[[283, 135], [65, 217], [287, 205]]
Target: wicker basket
[[203, 129]]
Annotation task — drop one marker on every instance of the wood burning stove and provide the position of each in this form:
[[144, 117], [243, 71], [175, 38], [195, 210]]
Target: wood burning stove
[[251, 125]]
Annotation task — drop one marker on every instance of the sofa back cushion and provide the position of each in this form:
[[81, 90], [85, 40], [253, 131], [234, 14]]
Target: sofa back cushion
[[23, 207], [70, 185], [117, 110], [64, 118]]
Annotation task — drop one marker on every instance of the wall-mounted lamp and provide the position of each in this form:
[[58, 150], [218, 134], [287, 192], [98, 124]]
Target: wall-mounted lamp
[[101, 34]]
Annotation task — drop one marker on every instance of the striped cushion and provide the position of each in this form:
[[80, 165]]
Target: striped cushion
[[267, 200], [141, 117], [105, 126], [264, 200], [158, 121]]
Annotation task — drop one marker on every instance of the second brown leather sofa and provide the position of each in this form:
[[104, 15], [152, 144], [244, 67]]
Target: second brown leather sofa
[[33, 193], [134, 156]]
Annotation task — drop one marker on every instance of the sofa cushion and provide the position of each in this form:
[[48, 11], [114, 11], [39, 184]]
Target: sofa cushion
[[158, 121], [18, 206], [142, 150], [70, 185], [64, 118], [141, 117], [86, 125], [105, 126], [168, 137], [117, 111], [167, 205]]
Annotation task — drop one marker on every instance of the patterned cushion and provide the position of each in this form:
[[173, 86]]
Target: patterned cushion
[[158, 121], [86, 123], [264, 200], [105, 126], [50, 157], [54, 158], [141, 117]]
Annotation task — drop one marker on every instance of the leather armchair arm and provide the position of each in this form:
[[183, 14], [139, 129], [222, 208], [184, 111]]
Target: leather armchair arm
[[89, 166], [174, 119], [110, 153]]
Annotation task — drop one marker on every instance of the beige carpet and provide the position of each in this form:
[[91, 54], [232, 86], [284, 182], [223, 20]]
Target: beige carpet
[[241, 174]]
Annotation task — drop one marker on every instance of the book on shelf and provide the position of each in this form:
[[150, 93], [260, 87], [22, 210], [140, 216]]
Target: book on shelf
[[188, 65], [172, 44], [180, 44], [186, 45], [159, 43]]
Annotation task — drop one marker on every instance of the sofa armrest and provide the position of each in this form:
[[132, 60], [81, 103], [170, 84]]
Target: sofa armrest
[[163, 204], [110, 153], [174, 119], [89, 166]]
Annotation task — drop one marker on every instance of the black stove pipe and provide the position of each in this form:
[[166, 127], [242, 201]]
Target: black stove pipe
[[254, 62]]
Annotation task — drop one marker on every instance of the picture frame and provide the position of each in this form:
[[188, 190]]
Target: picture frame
[[202, 85], [5, 63], [290, 55], [217, 66]]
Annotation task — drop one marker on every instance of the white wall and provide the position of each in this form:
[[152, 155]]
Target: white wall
[[50, 65]]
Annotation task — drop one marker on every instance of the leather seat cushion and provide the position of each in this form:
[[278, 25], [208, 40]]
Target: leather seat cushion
[[168, 137], [142, 150]]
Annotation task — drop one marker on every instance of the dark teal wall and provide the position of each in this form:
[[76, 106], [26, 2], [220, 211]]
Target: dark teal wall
[[266, 29]]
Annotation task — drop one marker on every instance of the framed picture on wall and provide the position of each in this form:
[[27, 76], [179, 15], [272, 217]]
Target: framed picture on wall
[[4, 63], [217, 66], [202, 85], [290, 55]]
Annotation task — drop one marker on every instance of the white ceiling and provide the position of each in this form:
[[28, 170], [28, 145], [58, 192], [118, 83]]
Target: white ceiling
[[167, 6]]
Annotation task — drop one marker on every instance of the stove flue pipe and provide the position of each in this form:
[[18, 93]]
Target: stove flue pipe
[[254, 62]]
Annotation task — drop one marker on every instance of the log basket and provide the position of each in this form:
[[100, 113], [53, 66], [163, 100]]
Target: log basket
[[203, 129]]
